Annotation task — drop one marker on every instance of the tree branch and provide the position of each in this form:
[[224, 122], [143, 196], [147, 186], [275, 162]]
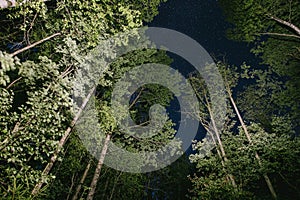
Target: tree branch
[[34, 44], [280, 34], [136, 98], [12, 83], [288, 24]]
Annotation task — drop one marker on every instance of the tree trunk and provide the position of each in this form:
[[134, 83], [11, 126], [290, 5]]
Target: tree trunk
[[78, 188], [98, 169], [71, 187], [266, 177], [229, 177], [114, 186], [222, 154], [216, 131], [62, 141]]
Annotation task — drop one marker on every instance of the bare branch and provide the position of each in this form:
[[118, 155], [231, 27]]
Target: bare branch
[[136, 98], [30, 28], [34, 44], [280, 34], [288, 24], [11, 84]]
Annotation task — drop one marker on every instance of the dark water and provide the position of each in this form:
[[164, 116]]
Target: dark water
[[203, 21]]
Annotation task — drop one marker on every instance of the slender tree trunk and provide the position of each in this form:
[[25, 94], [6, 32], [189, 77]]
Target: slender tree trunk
[[98, 169], [78, 188], [229, 177], [114, 187], [215, 132], [266, 177], [62, 141], [105, 188], [222, 149], [71, 187]]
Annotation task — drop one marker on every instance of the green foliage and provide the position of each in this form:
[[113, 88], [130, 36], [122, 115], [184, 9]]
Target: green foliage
[[113, 184], [29, 132], [252, 22], [279, 159], [252, 18], [7, 64], [35, 86], [140, 105], [270, 135], [148, 9]]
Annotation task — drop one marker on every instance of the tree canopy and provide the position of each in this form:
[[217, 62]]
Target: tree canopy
[[46, 45]]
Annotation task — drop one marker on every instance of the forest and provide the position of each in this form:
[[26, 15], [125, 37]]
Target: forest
[[67, 68]]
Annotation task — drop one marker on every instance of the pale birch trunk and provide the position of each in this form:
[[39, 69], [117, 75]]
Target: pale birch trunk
[[61, 143], [266, 177], [78, 188], [215, 133], [98, 169]]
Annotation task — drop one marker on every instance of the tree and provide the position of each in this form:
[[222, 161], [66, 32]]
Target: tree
[[249, 151], [140, 107], [148, 8], [206, 117], [252, 18], [272, 27], [44, 110], [38, 59]]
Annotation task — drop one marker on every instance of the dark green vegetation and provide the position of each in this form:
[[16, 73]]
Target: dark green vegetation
[[256, 154]]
